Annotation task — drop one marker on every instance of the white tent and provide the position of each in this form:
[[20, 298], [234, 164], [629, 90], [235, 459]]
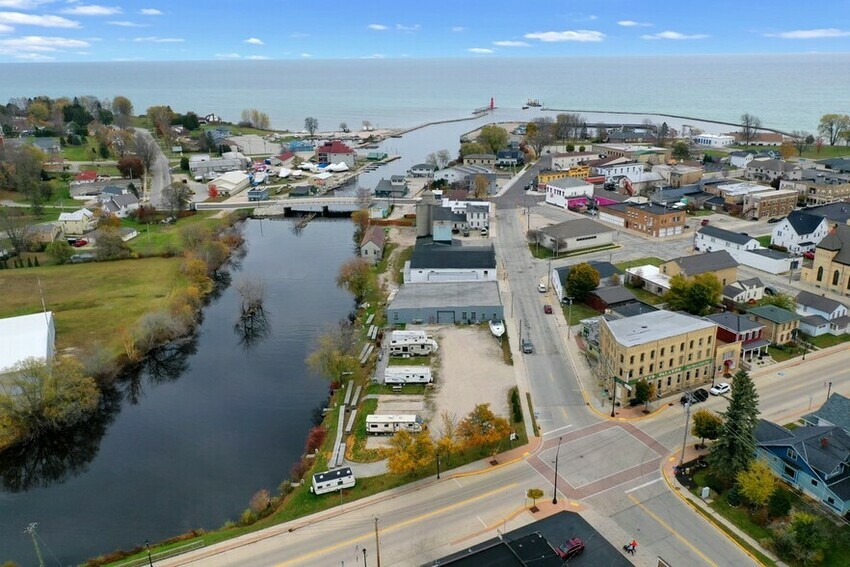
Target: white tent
[[322, 176], [284, 172], [337, 167]]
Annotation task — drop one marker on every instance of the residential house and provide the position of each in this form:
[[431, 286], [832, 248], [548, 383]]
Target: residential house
[[466, 175], [608, 275], [720, 263], [604, 299], [284, 159], [486, 160], [78, 222], [122, 206], [510, 158], [335, 152], [830, 268], [646, 218], [613, 171], [821, 315], [732, 327], [478, 215], [439, 262], [839, 165], [572, 235], [24, 337], [85, 176], [711, 239], [111, 187], [679, 175], [393, 188], [819, 187], [799, 232], [446, 303], [422, 170], [780, 325], [372, 244], [560, 191], [835, 411], [49, 145], [743, 292], [767, 170], [648, 277], [741, 158], [815, 460]]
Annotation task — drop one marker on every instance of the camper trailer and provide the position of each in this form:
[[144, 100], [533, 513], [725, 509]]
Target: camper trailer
[[331, 481], [411, 343], [407, 375], [389, 424]]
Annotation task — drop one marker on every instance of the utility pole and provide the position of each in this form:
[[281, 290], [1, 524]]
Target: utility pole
[[829, 391], [570, 316], [613, 393], [377, 544], [557, 453], [687, 421], [31, 530]]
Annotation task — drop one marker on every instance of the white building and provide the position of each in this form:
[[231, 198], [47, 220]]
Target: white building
[[649, 277], [714, 140], [619, 170], [78, 222], [740, 159], [711, 239], [121, 206], [821, 315], [231, 182], [799, 232], [27, 336], [561, 162], [744, 291], [559, 191], [437, 262]]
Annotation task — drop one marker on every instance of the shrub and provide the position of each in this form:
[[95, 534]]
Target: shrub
[[516, 407], [733, 497], [779, 504], [247, 518], [260, 501], [298, 470], [315, 439], [285, 488]]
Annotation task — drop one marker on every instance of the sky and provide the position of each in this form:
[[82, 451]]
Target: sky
[[159, 30]]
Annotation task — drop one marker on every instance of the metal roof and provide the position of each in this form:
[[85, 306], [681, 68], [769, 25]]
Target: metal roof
[[726, 235], [575, 228], [819, 302], [654, 326], [430, 255], [446, 295], [774, 314]]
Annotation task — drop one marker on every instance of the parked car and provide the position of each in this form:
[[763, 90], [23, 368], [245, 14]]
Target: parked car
[[541, 287], [466, 232], [775, 220], [527, 347], [695, 397], [809, 255], [547, 309], [721, 388], [769, 291], [80, 242], [704, 222], [483, 231], [81, 257], [570, 548]]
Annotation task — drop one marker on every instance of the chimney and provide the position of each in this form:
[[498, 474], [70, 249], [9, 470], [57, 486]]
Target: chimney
[[824, 442]]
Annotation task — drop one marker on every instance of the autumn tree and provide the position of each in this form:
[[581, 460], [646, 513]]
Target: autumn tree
[[25, 177], [581, 280], [355, 275], [781, 300], [176, 197], [750, 125], [110, 246], [410, 452], [568, 126], [482, 427], [756, 483], [311, 124], [334, 352], [147, 151], [707, 425], [161, 117], [540, 133], [360, 218], [493, 138], [786, 149], [534, 494], [60, 251], [448, 442], [644, 391], [735, 447], [131, 167], [466, 149], [122, 109], [480, 187], [255, 119], [695, 295], [833, 126]]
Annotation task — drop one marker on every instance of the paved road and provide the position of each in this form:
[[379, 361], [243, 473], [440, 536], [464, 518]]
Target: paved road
[[160, 173]]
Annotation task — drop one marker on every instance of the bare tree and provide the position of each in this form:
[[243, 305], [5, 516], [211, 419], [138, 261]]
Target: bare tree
[[443, 158], [311, 125], [364, 197], [540, 134], [14, 227], [367, 125], [343, 127], [122, 108], [801, 140], [147, 151], [750, 125], [176, 197]]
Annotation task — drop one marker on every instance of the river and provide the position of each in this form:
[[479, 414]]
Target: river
[[186, 442]]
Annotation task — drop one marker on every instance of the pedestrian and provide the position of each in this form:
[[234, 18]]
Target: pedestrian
[[633, 546]]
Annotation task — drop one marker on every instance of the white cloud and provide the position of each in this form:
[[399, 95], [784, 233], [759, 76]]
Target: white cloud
[[40, 44], [6, 29], [34, 57], [16, 18], [256, 57], [22, 4], [150, 12], [373, 56], [306, 55], [409, 29], [480, 50], [810, 34], [228, 55], [377, 27], [673, 35], [92, 10], [458, 29], [633, 24], [567, 35], [157, 39], [299, 35], [511, 44], [254, 41], [126, 24]]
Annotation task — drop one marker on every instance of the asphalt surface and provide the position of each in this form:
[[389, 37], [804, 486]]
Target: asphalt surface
[[160, 173]]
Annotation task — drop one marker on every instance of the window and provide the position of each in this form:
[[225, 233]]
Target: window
[[814, 482], [789, 472], [792, 454], [668, 380], [632, 359], [652, 354], [692, 344], [641, 357], [820, 274], [687, 375], [835, 277], [700, 341], [709, 340], [651, 365], [621, 359], [830, 500], [662, 352]]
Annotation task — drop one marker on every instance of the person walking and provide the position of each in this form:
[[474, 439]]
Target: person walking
[[633, 546]]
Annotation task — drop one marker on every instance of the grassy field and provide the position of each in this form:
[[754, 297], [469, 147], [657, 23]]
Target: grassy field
[[651, 260], [91, 301], [645, 296], [579, 311], [784, 353], [811, 151], [157, 239], [826, 341], [86, 152], [764, 240]]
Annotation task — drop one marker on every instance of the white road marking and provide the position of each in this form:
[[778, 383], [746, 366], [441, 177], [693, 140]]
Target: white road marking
[[559, 429], [644, 485], [458, 483], [482, 521]]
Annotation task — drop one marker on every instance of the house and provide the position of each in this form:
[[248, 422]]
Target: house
[[835, 411], [821, 315], [121, 205], [643, 153], [767, 170], [372, 245], [439, 262], [815, 460], [258, 194], [710, 239], [560, 191], [77, 223], [646, 218], [741, 158], [679, 175], [607, 298], [486, 160], [466, 175], [26, 336], [618, 170], [46, 233], [743, 291], [445, 222], [478, 215], [565, 161], [510, 158], [49, 145], [732, 327], [102, 189], [840, 165], [831, 266], [446, 303], [393, 188], [125, 232], [335, 152], [608, 275], [780, 325], [799, 232], [720, 263], [648, 277], [572, 235], [422, 170], [281, 160], [230, 183], [86, 176]]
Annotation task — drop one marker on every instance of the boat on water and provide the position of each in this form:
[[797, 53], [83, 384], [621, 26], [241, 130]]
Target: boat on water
[[533, 102], [497, 328]]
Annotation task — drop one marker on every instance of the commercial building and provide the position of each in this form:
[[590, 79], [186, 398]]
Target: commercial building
[[773, 203], [735, 328], [335, 152], [446, 303], [679, 175], [575, 235], [572, 159], [486, 160], [636, 152], [713, 140], [202, 164], [612, 171], [819, 187], [559, 191], [767, 169], [645, 218], [230, 183], [434, 262], [549, 175]]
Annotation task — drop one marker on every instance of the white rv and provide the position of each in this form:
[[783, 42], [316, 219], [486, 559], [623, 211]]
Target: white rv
[[377, 424], [411, 343], [407, 375], [331, 481]]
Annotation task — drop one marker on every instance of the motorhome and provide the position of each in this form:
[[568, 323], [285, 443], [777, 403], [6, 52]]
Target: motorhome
[[331, 481], [411, 343], [408, 375], [377, 424]]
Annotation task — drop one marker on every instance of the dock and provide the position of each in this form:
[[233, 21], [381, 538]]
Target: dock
[[305, 220]]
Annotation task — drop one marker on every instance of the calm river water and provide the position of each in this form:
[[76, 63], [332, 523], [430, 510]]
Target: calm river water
[[187, 442]]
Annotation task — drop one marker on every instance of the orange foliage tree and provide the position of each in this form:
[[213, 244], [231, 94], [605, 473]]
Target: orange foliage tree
[[481, 427]]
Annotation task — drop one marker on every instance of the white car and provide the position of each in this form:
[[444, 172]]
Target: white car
[[722, 388]]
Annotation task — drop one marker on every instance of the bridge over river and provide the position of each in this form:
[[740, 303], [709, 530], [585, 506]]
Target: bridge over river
[[287, 206]]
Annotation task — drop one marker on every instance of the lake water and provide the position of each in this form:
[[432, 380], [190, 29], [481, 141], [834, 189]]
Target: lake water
[[786, 91], [190, 440]]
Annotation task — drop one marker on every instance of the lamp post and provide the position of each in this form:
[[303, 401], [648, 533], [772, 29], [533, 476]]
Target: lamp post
[[148, 548], [569, 316], [829, 391], [364, 557], [438, 466], [613, 394], [557, 453]]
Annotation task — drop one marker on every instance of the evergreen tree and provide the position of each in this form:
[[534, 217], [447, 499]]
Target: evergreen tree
[[35, 262], [29, 262], [735, 448]]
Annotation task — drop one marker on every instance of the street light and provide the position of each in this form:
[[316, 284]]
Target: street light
[[558, 452], [570, 316], [438, 467], [148, 547], [364, 557]]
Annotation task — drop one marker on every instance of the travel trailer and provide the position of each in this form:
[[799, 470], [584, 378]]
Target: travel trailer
[[389, 424]]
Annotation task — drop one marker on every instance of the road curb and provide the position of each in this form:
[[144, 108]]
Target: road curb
[[501, 465]]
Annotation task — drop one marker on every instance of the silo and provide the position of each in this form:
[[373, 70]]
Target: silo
[[423, 214]]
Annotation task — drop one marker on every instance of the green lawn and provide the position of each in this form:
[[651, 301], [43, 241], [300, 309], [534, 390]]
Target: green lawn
[[645, 296], [651, 260], [542, 253], [811, 151], [83, 152], [159, 239], [579, 311], [764, 240], [826, 341], [784, 353], [412, 361], [700, 213]]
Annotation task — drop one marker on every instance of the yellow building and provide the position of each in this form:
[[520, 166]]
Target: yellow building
[[673, 351], [547, 176], [720, 263], [831, 265]]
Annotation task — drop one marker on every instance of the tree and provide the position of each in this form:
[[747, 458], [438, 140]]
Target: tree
[[707, 425], [481, 427], [735, 448], [493, 138], [448, 442], [581, 280], [467, 148], [176, 197], [801, 142], [255, 119], [534, 494], [16, 229], [410, 453], [109, 245], [833, 126], [695, 295], [360, 218], [184, 163], [786, 149], [644, 391], [26, 175], [161, 116], [808, 538], [568, 126], [343, 127], [782, 300], [260, 501], [355, 275], [333, 352], [38, 396], [443, 158], [311, 125], [539, 134], [122, 108], [480, 187], [662, 135], [681, 151], [131, 167], [60, 251], [756, 483], [147, 151], [750, 125]]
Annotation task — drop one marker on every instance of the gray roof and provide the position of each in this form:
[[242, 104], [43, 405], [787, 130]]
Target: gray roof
[[446, 214], [774, 314], [575, 228], [835, 212], [479, 156], [568, 182], [842, 321], [814, 321], [770, 253], [650, 208], [838, 241], [822, 447], [804, 223], [836, 410], [633, 308], [125, 199], [614, 294], [841, 164], [605, 269], [708, 262], [727, 235], [386, 186], [654, 326], [375, 235], [818, 302], [734, 322], [446, 294], [482, 208], [430, 255]]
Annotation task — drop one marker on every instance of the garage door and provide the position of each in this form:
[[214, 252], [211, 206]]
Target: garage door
[[445, 317]]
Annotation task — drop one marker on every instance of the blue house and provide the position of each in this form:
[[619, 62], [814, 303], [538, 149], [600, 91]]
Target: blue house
[[814, 459], [301, 146]]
